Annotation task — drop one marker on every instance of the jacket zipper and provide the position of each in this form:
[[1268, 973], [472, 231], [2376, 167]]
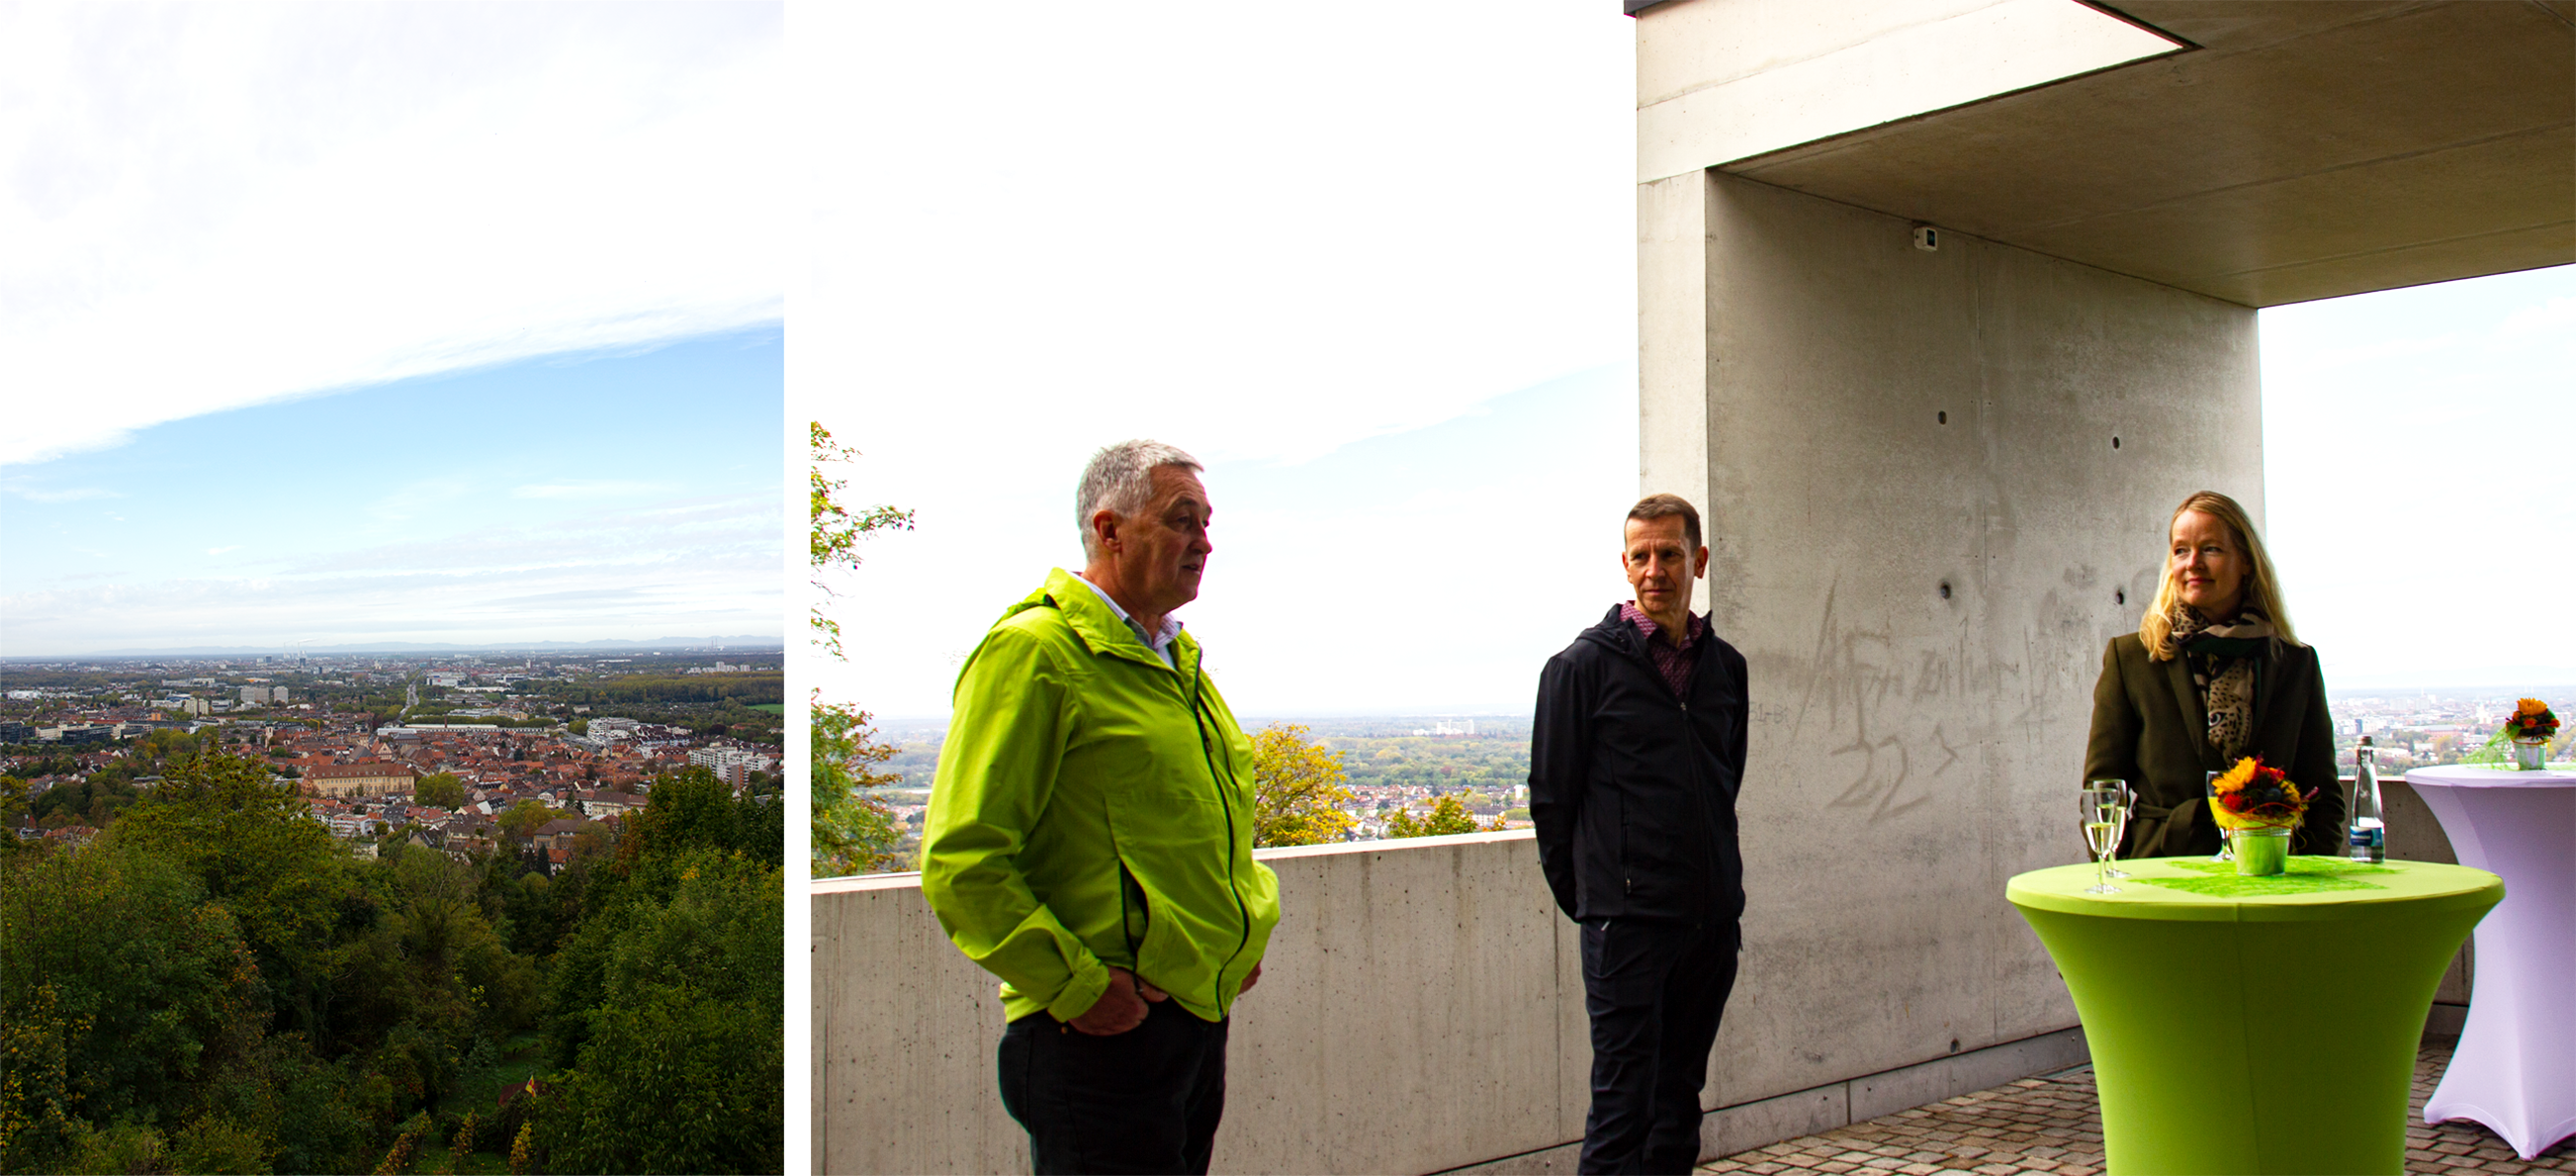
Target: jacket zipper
[[1699, 789], [1243, 914]]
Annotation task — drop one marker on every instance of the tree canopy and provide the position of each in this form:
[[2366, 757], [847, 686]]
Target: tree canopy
[[854, 832], [215, 984], [1298, 789], [1448, 815], [440, 790]]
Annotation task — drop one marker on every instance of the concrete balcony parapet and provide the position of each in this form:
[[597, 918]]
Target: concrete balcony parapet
[[1420, 1010]]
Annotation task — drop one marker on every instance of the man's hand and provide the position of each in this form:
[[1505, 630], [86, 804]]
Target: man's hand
[[1121, 1008], [1249, 979]]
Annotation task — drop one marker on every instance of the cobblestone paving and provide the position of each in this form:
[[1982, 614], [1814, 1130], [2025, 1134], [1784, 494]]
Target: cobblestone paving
[[2053, 1125]]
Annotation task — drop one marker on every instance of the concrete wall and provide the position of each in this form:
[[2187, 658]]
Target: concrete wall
[[1413, 1015], [1421, 1009], [1879, 424]]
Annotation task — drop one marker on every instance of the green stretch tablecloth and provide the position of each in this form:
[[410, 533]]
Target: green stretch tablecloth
[[2255, 1025]]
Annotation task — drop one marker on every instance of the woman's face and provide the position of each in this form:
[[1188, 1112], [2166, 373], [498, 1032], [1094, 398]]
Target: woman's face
[[2208, 565]]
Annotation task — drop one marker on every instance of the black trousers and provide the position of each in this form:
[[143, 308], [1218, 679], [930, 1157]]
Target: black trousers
[[1655, 992], [1143, 1101]]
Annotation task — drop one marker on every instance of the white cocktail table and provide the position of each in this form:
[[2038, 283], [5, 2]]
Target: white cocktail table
[[2515, 1069]]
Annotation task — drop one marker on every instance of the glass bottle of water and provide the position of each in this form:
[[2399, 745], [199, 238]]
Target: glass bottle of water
[[2369, 834]]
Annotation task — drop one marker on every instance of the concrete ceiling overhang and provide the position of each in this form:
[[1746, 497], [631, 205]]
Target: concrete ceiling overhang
[[2298, 151]]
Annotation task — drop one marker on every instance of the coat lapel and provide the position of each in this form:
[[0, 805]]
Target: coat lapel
[[2267, 680], [2187, 698]]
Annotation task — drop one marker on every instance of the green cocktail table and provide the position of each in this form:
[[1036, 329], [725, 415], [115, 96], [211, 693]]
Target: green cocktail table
[[2243, 1025]]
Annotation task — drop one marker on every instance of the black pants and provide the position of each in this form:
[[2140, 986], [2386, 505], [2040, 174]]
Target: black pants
[[1655, 991], [1144, 1101]]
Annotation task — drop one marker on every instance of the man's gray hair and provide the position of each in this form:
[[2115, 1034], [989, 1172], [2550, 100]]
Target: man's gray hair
[[1120, 479]]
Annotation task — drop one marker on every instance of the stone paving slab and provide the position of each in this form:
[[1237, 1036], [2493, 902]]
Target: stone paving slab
[[2053, 1125]]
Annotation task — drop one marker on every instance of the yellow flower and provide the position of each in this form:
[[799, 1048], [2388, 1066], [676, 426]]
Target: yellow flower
[[2237, 777], [2531, 706]]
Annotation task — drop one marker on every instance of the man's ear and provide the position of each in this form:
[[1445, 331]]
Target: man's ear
[[1699, 566], [1104, 523]]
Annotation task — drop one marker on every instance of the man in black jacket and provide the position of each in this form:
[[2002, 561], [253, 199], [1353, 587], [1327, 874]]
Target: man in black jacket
[[1635, 756]]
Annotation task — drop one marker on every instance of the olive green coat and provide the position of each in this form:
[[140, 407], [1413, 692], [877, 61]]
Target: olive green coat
[[2150, 729]]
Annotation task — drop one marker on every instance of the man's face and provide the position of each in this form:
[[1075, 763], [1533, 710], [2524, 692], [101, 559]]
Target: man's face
[[1661, 565], [1163, 549]]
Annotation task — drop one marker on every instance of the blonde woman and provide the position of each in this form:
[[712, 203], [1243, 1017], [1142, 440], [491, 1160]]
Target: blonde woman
[[2212, 675]]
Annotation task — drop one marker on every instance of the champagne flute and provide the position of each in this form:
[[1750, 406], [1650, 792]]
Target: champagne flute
[[2101, 809], [2119, 836], [2209, 808]]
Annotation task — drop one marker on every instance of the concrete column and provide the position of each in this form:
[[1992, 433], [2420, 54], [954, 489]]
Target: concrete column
[[1673, 364], [1936, 484]]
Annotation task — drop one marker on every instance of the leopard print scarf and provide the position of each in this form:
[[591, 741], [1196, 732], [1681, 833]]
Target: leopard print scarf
[[2222, 667]]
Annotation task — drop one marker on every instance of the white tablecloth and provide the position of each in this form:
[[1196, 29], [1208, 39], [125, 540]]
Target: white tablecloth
[[2515, 1069]]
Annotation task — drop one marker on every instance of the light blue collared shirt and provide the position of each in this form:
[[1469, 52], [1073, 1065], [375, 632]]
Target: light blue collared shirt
[[1160, 643]]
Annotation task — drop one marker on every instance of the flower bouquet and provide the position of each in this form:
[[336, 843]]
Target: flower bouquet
[[2257, 807], [2530, 729]]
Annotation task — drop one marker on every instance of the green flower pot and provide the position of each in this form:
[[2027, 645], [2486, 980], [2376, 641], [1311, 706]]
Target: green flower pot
[[2260, 853], [2530, 755]]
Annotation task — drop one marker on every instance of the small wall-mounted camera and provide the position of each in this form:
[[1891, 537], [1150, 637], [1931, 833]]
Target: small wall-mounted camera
[[1927, 238]]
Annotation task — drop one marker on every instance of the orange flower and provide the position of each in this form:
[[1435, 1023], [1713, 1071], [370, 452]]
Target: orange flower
[[2239, 776]]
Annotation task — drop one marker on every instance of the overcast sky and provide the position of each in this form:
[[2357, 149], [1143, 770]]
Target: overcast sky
[[1264, 234], [1342, 251], [348, 323], [1303, 242]]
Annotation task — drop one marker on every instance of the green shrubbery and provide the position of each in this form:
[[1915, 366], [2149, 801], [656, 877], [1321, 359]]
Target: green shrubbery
[[217, 985]]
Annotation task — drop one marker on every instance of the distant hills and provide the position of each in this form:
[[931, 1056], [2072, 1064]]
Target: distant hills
[[745, 642]]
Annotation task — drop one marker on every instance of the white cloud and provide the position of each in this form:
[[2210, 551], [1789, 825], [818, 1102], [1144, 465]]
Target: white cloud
[[583, 490], [215, 205], [75, 495], [707, 565]]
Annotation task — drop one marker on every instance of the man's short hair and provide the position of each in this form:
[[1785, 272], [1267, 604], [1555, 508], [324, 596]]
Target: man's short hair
[[1665, 506], [1120, 480]]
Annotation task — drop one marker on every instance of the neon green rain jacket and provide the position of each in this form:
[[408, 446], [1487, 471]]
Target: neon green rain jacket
[[1094, 808]]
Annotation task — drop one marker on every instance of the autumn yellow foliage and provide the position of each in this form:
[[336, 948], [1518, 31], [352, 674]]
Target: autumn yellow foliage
[[1298, 792]]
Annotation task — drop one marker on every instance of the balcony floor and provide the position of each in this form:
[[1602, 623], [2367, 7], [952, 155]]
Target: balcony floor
[[2052, 1124]]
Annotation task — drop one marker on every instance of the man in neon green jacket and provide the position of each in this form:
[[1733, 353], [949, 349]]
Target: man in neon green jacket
[[1090, 837]]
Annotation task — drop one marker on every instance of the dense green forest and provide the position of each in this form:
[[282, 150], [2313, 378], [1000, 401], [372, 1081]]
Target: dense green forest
[[217, 985]]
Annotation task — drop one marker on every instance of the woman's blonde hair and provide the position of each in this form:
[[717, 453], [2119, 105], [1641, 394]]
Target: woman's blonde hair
[[2262, 584]]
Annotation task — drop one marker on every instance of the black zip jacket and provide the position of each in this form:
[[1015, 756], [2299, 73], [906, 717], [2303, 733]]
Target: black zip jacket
[[1633, 789]]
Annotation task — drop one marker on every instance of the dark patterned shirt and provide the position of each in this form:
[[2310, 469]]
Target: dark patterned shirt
[[1673, 662]]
